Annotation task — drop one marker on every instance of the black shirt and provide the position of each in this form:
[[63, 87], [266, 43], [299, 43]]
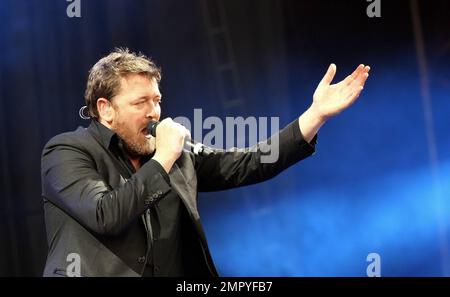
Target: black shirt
[[160, 224]]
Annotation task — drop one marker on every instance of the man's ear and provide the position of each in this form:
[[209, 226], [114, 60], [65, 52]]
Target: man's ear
[[105, 110]]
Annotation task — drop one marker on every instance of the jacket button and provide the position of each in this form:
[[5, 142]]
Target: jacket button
[[159, 192], [154, 196], [141, 259]]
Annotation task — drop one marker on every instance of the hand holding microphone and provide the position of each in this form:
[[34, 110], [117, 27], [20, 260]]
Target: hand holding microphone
[[171, 138]]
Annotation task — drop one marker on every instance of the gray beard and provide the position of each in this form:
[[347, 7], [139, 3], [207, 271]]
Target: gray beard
[[133, 147]]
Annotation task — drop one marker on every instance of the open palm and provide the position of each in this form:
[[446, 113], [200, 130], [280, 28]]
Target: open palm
[[330, 100]]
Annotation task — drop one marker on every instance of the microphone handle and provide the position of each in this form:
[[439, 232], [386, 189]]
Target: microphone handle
[[198, 148]]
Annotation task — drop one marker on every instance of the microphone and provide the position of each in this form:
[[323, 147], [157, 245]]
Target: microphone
[[195, 147]]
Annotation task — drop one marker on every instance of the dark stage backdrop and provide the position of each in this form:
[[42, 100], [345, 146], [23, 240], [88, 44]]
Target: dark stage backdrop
[[379, 182]]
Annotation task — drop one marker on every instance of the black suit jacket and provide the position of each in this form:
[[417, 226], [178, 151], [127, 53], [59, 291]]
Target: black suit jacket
[[94, 210]]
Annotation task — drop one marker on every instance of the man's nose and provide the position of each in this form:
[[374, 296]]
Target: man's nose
[[152, 114]]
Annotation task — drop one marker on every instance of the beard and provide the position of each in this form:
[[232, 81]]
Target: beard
[[135, 143]]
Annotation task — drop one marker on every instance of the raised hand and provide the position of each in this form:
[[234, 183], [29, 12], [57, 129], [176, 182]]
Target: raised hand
[[329, 100]]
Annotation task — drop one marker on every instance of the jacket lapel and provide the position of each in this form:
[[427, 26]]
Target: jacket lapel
[[186, 193]]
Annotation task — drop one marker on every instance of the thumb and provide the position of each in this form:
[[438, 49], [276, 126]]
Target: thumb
[[328, 77]]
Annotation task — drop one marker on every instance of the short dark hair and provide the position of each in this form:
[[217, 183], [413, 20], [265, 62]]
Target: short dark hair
[[104, 79]]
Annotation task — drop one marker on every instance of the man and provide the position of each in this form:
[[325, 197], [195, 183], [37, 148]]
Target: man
[[119, 202]]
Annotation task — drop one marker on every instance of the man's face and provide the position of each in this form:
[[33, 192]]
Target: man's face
[[137, 103]]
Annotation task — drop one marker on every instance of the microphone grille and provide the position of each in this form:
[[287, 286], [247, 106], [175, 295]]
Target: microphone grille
[[152, 127]]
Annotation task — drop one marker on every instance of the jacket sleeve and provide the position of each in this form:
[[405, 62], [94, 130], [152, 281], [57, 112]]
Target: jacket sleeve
[[71, 182], [239, 167]]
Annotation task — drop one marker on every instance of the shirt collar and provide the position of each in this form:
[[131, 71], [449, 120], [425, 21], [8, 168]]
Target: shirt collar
[[106, 135]]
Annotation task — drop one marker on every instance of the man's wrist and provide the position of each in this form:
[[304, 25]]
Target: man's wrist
[[166, 163], [315, 114], [310, 122]]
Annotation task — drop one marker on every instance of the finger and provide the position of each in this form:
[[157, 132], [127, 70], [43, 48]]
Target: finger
[[167, 120], [328, 77], [183, 130], [363, 79], [362, 75], [360, 80], [349, 79], [188, 133], [357, 85], [357, 71]]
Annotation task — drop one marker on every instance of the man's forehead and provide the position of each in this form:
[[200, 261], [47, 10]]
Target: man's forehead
[[141, 83]]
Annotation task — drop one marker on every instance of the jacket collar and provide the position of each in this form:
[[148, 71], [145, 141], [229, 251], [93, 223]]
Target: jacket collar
[[105, 135]]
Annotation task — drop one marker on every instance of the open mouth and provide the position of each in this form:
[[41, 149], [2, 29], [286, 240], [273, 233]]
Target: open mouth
[[146, 132]]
